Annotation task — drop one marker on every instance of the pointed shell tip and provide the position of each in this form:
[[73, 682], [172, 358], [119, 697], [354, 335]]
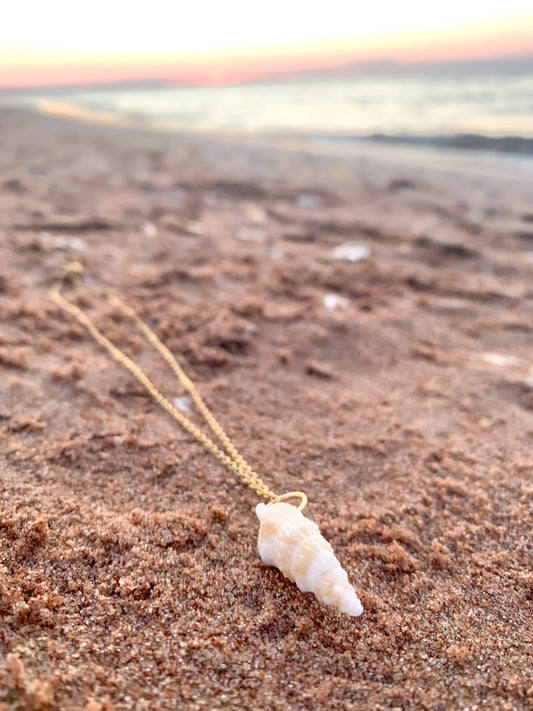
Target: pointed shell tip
[[259, 510], [355, 609]]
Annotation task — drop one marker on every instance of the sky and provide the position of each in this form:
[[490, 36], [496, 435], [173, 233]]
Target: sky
[[45, 42]]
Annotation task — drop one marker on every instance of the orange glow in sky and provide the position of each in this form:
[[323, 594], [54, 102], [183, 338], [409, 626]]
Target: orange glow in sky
[[217, 42]]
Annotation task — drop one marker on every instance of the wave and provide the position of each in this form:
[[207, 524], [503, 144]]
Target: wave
[[463, 141], [517, 145]]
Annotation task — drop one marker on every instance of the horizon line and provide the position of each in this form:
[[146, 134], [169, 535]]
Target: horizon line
[[361, 67]]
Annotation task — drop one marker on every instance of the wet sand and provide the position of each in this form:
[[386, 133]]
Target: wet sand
[[396, 391]]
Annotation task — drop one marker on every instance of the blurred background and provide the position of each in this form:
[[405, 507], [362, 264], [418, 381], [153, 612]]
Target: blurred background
[[455, 76]]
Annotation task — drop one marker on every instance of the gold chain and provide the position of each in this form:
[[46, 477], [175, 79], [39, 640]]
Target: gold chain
[[230, 458]]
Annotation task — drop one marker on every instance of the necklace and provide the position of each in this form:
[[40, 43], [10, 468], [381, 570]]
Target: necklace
[[287, 539]]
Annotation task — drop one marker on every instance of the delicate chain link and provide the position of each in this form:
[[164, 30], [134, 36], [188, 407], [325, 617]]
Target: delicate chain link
[[231, 458]]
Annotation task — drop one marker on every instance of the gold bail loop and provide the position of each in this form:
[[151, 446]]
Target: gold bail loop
[[73, 272], [292, 495]]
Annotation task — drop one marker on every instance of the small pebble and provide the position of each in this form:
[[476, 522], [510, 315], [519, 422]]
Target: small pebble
[[318, 369]]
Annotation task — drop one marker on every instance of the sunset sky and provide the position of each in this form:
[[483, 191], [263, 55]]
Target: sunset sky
[[216, 42]]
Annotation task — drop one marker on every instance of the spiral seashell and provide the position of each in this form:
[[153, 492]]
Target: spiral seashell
[[294, 544]]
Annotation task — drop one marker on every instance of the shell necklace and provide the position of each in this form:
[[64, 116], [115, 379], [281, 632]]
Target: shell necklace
[[287, 539]]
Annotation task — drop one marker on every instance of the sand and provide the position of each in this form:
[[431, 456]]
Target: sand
[[129, 576]]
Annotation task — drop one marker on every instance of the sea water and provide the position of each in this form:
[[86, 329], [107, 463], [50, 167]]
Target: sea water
[[464, 110]]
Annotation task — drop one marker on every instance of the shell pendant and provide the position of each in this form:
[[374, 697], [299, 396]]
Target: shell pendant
[[294, 544]]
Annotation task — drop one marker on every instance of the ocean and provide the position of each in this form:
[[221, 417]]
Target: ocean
[[464, 111]]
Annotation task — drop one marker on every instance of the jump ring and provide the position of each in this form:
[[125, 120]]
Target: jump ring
[[293, 495]]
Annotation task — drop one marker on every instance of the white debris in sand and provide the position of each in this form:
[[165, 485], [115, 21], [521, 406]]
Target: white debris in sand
[[183, 404], [195, 228], [255, 214], [252, 234], [498, 359], [308, 201], [350, 252], [149, 230], [63, 243], [335, 301], [275, 253]]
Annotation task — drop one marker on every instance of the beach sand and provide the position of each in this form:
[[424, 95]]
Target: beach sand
[[129, 575]]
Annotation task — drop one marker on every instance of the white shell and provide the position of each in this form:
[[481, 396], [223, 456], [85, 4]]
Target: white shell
[[294, 544]]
